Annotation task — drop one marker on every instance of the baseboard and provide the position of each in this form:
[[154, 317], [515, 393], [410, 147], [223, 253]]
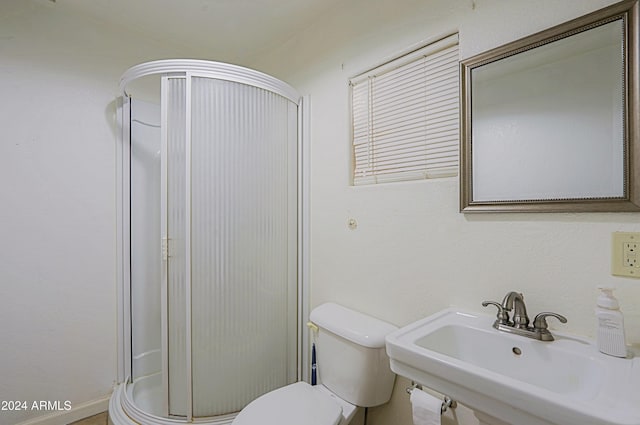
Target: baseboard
[[81, 411]]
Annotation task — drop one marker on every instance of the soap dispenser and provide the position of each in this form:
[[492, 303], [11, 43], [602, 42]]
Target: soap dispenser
[[611, 339]]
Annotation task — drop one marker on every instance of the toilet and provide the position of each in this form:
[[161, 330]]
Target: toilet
[[353, 371]]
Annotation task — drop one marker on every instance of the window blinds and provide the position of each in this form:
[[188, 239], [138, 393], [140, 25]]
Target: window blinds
[[405, 116]]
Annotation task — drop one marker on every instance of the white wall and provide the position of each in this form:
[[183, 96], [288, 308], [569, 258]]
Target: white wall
[[59, 79], [413, 253]]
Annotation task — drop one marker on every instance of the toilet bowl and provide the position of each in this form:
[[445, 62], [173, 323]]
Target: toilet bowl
[[353, 368], [297, 404]]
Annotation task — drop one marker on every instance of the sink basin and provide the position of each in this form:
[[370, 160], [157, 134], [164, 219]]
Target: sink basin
[[572, 373], [511, 379]]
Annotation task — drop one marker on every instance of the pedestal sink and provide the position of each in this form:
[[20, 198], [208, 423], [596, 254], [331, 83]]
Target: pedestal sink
[[510, 379]]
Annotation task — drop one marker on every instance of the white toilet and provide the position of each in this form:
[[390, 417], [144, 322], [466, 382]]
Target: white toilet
[[353, 371]]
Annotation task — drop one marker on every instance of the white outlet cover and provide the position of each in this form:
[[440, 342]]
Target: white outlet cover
[[625, 254]]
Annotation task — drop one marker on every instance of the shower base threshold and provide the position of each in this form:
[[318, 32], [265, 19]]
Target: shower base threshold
[[124, 411]]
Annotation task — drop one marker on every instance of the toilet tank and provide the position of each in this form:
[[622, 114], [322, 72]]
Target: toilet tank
[[351, 356]]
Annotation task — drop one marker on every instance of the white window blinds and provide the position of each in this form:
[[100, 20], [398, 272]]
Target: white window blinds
[[405, 116]]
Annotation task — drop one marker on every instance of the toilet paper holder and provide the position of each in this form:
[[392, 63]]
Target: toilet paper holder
[[446, 404]]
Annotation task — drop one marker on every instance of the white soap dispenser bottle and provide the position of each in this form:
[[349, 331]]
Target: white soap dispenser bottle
[[611, 339]]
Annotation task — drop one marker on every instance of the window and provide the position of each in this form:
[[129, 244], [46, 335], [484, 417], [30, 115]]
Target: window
[[405, 116]]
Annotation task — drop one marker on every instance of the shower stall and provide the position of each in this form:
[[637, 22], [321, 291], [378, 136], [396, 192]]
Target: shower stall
[[211, 227]]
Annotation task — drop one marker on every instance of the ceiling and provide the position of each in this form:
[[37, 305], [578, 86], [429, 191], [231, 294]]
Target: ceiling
[[232, 30]]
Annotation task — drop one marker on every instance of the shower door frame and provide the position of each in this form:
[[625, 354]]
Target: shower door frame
[[189, 68]]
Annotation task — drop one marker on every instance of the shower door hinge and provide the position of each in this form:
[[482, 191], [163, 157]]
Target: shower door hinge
[[165, 248]]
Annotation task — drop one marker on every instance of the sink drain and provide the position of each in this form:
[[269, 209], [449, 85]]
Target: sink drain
[[516, 351]]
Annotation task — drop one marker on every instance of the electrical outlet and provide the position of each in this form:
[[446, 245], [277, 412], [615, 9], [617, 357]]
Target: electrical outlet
[[625, 254], [629, 253]]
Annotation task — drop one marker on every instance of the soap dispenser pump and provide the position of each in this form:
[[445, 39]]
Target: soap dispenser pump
[[611, 339]]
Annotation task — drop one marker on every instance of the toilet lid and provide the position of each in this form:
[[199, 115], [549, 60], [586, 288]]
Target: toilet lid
[[294, 404]]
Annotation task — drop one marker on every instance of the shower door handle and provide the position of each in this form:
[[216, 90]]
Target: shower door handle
[[165, 248]]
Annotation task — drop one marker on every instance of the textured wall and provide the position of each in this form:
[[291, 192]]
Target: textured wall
[[59, 82], [413, 253]]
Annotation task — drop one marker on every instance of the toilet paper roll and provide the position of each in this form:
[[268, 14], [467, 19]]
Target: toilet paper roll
[[426, 408]]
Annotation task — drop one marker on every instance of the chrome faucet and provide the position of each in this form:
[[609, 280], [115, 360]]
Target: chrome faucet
[[519, 322]]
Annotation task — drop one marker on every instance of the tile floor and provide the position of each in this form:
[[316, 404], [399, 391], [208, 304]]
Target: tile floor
[[99, 419]]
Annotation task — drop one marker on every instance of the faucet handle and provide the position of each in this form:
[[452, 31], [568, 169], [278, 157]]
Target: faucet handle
[[540, 324], [502, 316]]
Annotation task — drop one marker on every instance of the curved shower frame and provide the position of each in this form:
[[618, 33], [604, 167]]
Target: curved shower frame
[[122, 408]]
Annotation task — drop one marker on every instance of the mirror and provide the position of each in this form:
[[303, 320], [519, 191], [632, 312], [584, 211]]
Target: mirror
[[550, 122]]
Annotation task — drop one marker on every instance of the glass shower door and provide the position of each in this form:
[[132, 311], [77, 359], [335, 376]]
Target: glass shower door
[[231, 220], [174, 209], [145, 263]]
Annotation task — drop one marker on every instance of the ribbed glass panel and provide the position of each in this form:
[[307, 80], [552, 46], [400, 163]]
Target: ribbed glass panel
[[405, 118], [176, 231], [243, 267]]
